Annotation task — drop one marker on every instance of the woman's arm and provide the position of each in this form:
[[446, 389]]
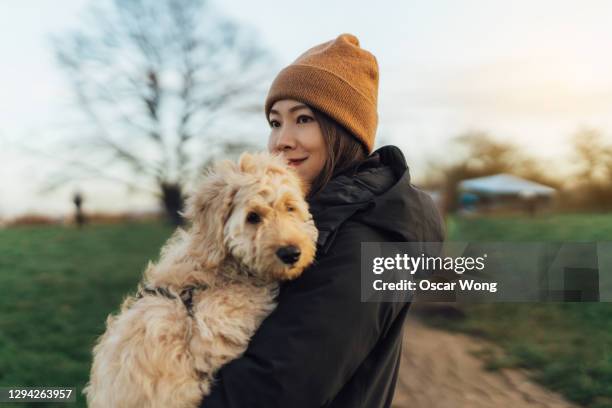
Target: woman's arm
[[319, 334]]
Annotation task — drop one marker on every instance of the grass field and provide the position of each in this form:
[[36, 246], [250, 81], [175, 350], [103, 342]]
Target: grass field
[[568, 346], [57, 285]]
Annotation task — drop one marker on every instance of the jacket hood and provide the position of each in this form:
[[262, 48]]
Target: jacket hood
[[378, 194]]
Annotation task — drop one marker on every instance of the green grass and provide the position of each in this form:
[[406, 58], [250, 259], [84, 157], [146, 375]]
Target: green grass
[[57, 285], [568, 346], [564, 227]]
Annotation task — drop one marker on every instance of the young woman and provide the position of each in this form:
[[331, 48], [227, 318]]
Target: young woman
[[322, 346]]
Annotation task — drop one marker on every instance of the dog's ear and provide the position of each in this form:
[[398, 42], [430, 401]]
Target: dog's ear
[[270, 163], [279, 165], [208, 210], [261, 163], [248, 162]]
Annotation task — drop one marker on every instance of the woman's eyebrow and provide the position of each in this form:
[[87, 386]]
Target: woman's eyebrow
[[292, 109]]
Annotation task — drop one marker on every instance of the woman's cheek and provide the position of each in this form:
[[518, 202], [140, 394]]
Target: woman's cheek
[[271, 143], [312, 172]]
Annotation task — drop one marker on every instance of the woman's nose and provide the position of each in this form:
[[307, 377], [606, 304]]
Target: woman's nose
[[285, 141]]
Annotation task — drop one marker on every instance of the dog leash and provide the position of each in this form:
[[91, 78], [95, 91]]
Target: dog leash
[[186, 295]]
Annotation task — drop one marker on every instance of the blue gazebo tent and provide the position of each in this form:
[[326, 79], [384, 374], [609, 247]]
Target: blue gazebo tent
[[503, 190], [505, 184]]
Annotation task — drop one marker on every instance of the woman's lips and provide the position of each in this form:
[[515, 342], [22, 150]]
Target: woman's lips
[[296, 162]]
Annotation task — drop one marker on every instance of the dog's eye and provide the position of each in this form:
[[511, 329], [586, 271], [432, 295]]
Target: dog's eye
[[253, 218], [290, 208]]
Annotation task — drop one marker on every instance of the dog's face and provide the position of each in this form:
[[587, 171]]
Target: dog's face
[[255, 212]]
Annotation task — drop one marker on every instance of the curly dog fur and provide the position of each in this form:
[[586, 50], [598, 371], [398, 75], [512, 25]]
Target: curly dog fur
[[250, 228]]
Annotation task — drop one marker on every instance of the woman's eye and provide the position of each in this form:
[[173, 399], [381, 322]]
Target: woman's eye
[[304, 119], [253, 218], [274, 123]]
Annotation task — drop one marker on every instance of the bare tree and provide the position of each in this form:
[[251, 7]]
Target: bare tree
[[154, 79], [592, 181], [593, 157]]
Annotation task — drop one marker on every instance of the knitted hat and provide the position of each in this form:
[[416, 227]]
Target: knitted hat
[[338, 78]]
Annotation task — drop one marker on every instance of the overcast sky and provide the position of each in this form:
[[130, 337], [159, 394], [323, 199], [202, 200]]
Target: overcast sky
[[531, 72]]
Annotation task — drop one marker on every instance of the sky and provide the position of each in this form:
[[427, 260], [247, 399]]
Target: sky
[[528, 72]]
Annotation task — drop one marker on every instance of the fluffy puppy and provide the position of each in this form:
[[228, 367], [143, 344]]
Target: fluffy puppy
[[214, 283]]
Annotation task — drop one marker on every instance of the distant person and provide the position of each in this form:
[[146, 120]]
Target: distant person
[[172, 198], [322, 346], [79, 217]]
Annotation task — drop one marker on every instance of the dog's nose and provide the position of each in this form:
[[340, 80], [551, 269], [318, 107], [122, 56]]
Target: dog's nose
[[289, 254]]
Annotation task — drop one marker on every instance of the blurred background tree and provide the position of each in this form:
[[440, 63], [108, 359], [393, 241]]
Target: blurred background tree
[[154, 80], [479, 154], [590, 188]]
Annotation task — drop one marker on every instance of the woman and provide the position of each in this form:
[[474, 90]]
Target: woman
[[322, 346]]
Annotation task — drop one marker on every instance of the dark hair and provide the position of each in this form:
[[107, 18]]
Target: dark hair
[[344, 152]]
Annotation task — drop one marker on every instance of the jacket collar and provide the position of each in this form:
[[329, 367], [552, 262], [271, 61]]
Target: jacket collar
[[348, 194]]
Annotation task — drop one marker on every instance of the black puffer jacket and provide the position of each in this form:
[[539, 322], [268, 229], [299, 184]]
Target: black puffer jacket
[[323, 347]]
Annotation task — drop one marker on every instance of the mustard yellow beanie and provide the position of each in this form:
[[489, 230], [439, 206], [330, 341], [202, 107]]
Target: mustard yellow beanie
[[338, 78]]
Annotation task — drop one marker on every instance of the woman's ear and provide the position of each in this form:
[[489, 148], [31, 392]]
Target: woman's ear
[[208, 209]]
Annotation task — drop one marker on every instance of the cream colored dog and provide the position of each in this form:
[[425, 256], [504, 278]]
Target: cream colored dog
[[197, 308]]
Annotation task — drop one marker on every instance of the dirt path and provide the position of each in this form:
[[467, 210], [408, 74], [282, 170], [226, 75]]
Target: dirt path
[[439, 371]]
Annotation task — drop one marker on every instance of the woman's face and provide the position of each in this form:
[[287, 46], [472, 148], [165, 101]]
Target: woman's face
[[297, 136]]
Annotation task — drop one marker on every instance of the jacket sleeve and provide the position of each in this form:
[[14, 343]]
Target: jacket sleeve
[[309, 347]]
